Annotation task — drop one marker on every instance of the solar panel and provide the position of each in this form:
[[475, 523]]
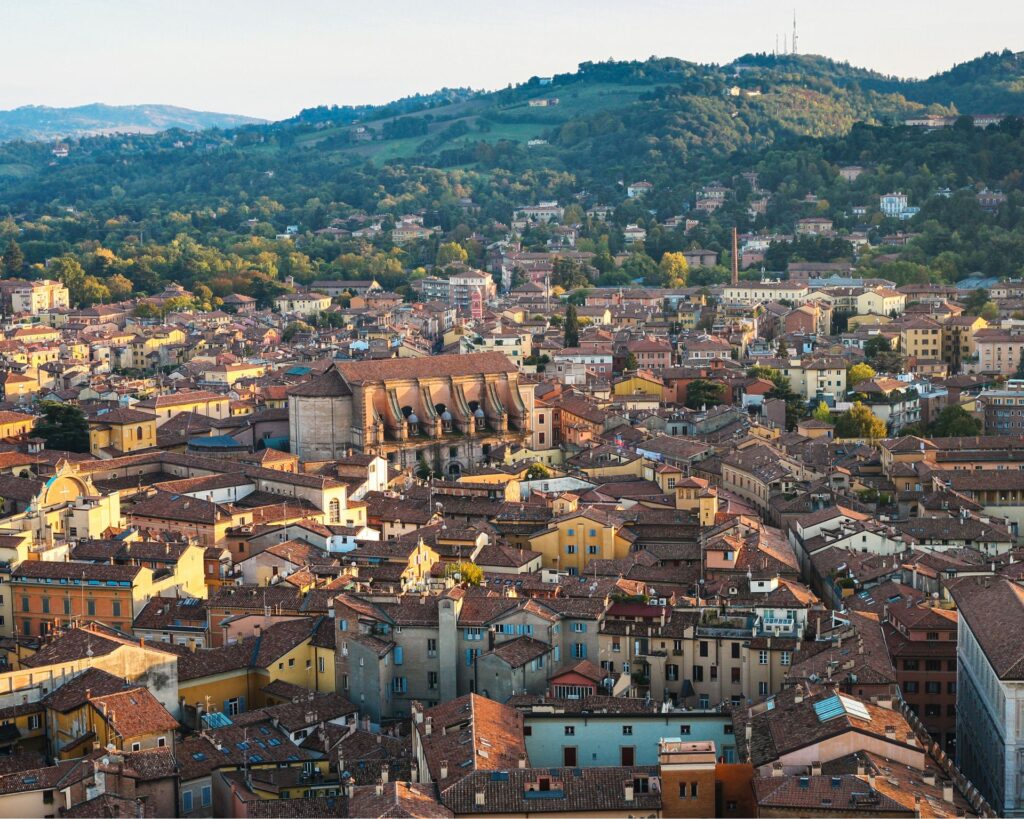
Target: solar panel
[[837, 706], [855, 708], [829, 709]]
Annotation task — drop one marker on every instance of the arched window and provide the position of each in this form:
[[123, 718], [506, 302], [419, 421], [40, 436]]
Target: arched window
[[334, 510], [138, 433]]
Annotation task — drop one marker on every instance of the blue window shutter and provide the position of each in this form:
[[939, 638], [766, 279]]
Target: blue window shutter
[[225, 706], [584, 627], [398, 655], [469, 656], [186, 801], [241, 705]]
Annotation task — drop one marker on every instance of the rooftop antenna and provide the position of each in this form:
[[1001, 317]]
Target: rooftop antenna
[[794, 31], [785, 44]]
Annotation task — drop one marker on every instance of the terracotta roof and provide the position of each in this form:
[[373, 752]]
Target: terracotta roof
[[443, 366], [134, 713], [329, 385], [396, 800], [993, 609], [572, 791], [470, 733], [72, 694]]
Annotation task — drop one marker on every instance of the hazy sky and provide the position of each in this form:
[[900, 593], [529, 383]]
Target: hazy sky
[[270, 58]]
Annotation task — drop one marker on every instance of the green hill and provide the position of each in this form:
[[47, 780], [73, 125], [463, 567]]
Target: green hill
[[205, 206]]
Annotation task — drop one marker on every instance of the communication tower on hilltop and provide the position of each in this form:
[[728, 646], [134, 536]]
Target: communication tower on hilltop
[[794, 31]]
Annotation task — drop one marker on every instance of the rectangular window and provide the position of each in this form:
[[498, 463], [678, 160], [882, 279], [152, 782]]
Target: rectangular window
[[24, 603], [579, 651], [431, 647], [186, 801], [762, 657], [116, 606], [627, 730], [67, 605], [399, 685], [703, 648], [570, 730], [90, 607], [399, 655], [735, 651], [207, 796], [46, 605], [431, 679]]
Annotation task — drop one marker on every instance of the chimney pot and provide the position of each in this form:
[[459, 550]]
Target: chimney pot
[[947, 792], [444, 769]]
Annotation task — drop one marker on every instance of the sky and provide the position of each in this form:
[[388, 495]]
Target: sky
[[269, 58]]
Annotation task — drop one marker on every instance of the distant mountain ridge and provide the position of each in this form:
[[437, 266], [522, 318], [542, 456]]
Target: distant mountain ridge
[[43, 123]]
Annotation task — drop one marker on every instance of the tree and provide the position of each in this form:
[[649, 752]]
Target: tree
[[568, 274], [422, 467], [857, 373], [641, 266], [63, 427], [989, 311], [13, 259], [94, 291], [451, 253], [119, 287], [860, 422], [702, 392], [293, 329], [537, 472], [875, 345], [955, 422], [822, 413], [889, 362], [572, 327], [631, 362], [674, 269], [466, 572], [67, 270], [781, 350]]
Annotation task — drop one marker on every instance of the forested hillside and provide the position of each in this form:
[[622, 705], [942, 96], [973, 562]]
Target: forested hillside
[[206, 209]]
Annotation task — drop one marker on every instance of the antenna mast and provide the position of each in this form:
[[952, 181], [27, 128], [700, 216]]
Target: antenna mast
[[794, 31]]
